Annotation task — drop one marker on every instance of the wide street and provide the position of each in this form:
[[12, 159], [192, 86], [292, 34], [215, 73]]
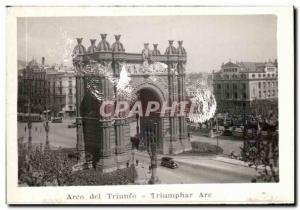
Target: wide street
[[192, 169], [59, 134], [200, 169]]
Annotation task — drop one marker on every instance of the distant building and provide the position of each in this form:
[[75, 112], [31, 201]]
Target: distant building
[[198, 80], [32, 88], [50, 88], [62, 85], [240, 87]]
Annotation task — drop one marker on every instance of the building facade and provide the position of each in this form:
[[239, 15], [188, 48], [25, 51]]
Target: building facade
[[33, 89], [62, 85], [202, 79], [243, 87], [51, 88]]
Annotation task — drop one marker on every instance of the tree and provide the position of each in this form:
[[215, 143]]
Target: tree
[[42, 167], [263, 153]]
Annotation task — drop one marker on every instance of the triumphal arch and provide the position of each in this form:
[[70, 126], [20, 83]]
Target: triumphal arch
[[152, 75]]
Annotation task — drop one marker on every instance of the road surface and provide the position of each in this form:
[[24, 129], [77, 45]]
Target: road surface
[[204, 170], [192, 169], [59, 134]]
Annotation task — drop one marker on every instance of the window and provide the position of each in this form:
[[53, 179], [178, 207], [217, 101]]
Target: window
[[264, 75], [227, 86], [259, 85], [235, 95], [253, 75], [259, 75], [244, 95], [218, 86], [244, 86], [264, 84], [70, 91], [268, 75], [227, 95], [70, 83], [234, 86], [259, 94]]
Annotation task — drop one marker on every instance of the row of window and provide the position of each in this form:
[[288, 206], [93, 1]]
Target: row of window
[[270, 84], [244, 76], [230, 70], [236, 95], [264, 75], [234, 86], [266, 94]]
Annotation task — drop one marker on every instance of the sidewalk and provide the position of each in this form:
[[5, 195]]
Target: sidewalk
[[227, 145], [142, 173]]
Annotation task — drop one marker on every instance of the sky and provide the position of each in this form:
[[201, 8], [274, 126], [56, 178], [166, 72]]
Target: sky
[[208, 40]]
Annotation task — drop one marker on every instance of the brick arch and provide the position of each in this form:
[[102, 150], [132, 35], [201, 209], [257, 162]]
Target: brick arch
[[154, 87]]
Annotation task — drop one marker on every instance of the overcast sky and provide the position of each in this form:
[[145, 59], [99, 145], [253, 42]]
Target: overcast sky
[[208, 40]]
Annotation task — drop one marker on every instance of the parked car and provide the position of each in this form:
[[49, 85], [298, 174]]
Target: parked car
[[168, 162], [73, 125], [227, 132], [56, 120]]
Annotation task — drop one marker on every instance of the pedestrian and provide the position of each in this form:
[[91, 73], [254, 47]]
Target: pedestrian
[[189, 136], [137, 162], [25, 128]]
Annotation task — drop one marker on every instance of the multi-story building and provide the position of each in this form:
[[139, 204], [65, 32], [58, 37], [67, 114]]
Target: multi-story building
[[198, 80], [62, 85], [32, 87], [240, 87], [48, 88]]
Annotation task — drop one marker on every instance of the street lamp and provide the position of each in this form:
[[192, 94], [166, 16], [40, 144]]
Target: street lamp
[[245, 128], [217, 125], [29, 122], [137, 124], [153, 154], [46, 125]]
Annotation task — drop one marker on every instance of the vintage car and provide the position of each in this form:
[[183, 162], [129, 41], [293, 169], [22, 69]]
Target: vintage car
[[73, 125], [168, 162], [56, 120]]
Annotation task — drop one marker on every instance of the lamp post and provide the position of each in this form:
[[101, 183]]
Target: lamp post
[[29, 125], [245, 127], [29, 122], [217, 125], [137, 131], [46, 125], [153, 154]]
